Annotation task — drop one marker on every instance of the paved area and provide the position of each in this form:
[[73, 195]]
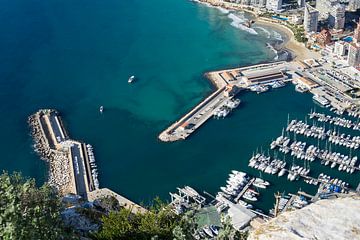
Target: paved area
[[79, 170], [124, 202]]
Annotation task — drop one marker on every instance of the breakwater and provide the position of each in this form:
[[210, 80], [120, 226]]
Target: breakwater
[[72, 163], [72, 167], [60, 169]]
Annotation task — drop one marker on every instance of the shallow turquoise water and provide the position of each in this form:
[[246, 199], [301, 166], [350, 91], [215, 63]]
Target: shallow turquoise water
[[76, 56]]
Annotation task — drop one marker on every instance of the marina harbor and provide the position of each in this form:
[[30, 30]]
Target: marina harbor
[[330, 88], [294, 156], [258, 78]]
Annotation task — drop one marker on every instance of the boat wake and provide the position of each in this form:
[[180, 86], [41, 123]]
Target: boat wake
[[239, 23]]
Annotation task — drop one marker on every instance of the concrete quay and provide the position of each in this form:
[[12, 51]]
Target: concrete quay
[[72, 168], [228, 83], [124, 202]]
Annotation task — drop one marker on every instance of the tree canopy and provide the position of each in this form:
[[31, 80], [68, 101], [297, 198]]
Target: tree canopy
[[157, 223], [29, 212]]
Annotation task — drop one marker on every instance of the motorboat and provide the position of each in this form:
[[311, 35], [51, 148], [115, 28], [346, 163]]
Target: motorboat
[[131, 79]]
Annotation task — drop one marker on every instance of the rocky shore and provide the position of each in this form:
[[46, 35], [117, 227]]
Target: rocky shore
[[60, 168]]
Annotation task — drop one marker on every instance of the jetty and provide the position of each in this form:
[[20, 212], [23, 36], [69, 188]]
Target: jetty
[[72, 166], [244, 189], [228, 84]]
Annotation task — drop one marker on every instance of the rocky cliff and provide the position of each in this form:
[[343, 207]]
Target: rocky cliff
[[326, 219]]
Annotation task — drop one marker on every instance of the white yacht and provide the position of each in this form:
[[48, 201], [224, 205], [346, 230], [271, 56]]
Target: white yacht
[[261, 181], [319, 99], [131, 79]]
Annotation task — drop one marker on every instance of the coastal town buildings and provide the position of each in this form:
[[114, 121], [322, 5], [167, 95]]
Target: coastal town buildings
[[324, 7], [274, 5], [356, 37], [353, 5], [340, 48], [333, 11], [354, 55], [262, 3], [296, 19], [324, 37], [301, 3], [337, 17], [311, 18]]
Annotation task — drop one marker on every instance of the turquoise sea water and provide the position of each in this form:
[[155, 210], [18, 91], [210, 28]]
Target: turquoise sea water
[[76, 56]]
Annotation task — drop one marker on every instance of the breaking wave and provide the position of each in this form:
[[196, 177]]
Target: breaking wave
[[239, 23], [268, 34]]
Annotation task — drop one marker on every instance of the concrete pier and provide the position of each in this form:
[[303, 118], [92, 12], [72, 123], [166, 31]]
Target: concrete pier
[[72, 169], [228, 83], [244, 189]]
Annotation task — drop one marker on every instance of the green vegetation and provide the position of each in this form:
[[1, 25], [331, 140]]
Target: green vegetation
[[29, 212], [299, 32], [158, 223]]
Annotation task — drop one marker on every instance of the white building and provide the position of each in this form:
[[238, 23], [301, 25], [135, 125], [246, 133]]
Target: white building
[[354, 55], [324, 7], [301, 3], [274, 5], [340, 48], [337, 17], [295, 19], [262, 3], [311, 19], [353, 5]]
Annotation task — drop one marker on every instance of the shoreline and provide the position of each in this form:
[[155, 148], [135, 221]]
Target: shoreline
[[297, 50]]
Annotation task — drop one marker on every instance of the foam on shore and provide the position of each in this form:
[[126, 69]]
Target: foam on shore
[[267, 32], [239, 23]]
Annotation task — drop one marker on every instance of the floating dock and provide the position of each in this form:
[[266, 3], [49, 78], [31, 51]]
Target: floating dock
[[228, 83]]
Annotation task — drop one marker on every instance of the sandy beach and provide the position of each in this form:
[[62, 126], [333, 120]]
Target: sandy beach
[[297, 49]]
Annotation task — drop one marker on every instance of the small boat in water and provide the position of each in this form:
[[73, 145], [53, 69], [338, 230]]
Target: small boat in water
[[131, 79], [101, 109]]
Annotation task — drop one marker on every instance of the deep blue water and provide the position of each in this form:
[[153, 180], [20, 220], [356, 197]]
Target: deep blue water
[[76, 56]]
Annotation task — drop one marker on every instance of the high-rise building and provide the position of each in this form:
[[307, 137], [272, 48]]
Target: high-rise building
[[324, 7], [274, 5], [262, 3], [353, 5], [301, 3], [356, 37], [354, 55], [340, 48], [337, 17], [311, 18]]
